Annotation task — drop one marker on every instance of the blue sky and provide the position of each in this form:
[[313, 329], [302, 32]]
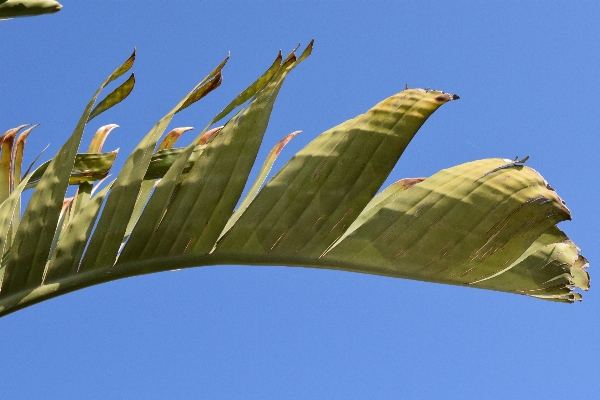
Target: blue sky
[[527, 75]]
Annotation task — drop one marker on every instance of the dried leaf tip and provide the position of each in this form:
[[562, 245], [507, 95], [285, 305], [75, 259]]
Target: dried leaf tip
[[100, 137], [281, 144], [208, 135], [172, 137], [442, 97], [446, 97]]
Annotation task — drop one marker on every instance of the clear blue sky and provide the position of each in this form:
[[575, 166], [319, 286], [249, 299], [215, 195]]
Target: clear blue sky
[[528, 77]]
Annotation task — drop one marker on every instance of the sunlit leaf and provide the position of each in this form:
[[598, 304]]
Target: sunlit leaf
[[488, 224]]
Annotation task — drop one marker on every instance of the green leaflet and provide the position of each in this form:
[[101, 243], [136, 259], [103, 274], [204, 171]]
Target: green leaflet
[[163, 160], [63, 223], [114, 98], [88, 167], [202, 91], [462, 226]]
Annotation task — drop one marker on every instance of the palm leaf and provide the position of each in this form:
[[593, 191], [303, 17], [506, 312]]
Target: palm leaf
[[27, 8], [488, 224]]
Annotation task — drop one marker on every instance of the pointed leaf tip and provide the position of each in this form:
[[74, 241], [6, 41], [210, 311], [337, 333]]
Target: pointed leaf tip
[[203, 90], [100, 137], [260, 179], [126, 66], [443, 97], [114, 98], [208, 135], [279, 146], [308, 50], [171, 137]]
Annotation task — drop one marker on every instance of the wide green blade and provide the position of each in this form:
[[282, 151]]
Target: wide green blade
[[546, 272], [461, 226], [383, 198], [323, 188]]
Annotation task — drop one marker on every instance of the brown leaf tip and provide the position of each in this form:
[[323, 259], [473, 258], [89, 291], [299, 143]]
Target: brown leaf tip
[[442, 97], [446, 97]]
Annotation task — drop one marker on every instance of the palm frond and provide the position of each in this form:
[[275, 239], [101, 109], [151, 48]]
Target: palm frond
[[488, 224]]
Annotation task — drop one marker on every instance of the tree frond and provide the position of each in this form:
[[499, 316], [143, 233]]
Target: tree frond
[[487, 224]]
